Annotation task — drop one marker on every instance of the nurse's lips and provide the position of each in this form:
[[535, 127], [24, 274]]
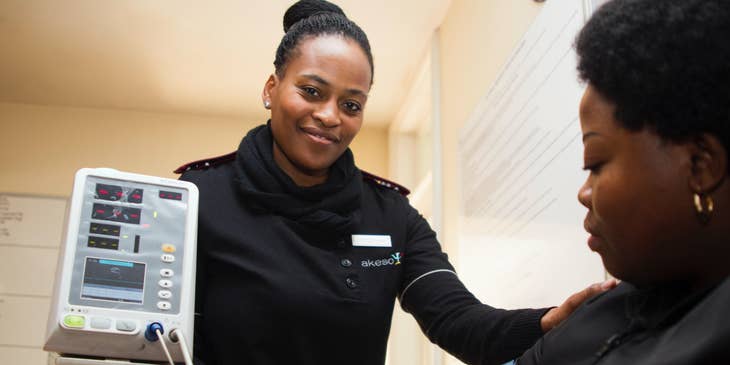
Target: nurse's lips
[[321, 136]]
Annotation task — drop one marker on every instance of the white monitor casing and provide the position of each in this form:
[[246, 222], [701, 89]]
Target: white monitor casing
[[128, 260]]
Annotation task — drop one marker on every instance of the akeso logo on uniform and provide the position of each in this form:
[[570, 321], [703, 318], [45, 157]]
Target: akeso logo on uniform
[[393, 260]]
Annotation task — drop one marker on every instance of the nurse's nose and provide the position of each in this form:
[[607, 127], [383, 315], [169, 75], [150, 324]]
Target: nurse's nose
[[327, 113]]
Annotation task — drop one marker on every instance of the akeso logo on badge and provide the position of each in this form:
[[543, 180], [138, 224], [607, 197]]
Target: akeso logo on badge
[[393, 260]]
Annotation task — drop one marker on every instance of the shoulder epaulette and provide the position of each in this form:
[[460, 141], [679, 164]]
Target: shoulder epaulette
[[206, 163], [385, 183]]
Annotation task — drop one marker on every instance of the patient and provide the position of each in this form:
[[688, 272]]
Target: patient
[[656, 131]]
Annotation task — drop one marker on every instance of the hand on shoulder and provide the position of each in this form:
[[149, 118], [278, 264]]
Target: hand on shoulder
[[556, 315]]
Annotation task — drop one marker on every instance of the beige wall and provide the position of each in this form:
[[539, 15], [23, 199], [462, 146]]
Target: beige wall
[[41, 147], [477, 37], [371, 150]]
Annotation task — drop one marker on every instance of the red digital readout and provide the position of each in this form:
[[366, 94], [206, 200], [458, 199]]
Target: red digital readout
[[170, 195], [119, 193], [116, 213]]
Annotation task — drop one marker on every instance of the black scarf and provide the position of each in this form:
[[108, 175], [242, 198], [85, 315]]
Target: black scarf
[[327, 211]]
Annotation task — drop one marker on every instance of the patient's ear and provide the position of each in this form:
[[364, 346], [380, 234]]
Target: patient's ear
[[708, 163]]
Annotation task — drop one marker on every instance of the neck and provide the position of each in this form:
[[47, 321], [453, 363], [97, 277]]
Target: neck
[[713, 253], [713, 274], [707, 264], [300, 176]]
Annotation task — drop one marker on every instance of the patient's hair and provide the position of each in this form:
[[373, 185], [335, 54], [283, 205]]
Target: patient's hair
[[664, 63]]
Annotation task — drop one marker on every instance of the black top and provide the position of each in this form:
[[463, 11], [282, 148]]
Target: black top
[[664, 325], [273, 291]]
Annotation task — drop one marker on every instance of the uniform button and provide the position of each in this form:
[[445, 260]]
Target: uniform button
[[351, 283], [345, 262]]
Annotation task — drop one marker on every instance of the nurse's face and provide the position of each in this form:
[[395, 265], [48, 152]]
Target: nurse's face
[[317, 105], [640, 213]]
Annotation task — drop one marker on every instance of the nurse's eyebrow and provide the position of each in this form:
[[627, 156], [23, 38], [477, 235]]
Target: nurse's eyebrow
[[317, 79], [320, 80]]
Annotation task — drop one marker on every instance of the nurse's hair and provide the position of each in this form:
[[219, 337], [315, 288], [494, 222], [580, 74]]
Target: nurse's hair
[[312, 18], [665, 64]]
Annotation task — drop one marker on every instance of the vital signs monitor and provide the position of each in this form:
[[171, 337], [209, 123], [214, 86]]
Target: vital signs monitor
[[126, 273]]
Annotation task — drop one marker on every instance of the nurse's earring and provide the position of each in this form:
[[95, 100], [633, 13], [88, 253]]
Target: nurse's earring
[[267, 104], [704, 206]]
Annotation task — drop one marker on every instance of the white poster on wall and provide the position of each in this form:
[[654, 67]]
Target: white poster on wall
[[31, 228], [522, 241]]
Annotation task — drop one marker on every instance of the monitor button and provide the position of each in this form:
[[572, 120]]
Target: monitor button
[[74, 321], [126, 326], [101, 323], [165, 283], [164, 294]]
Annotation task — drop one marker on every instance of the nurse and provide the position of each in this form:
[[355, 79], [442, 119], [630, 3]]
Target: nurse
[[302, 255]]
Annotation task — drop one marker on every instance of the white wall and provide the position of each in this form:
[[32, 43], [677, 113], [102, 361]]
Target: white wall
[[477, 37], [475, 40]]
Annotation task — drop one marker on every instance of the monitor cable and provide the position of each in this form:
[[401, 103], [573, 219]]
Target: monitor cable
[[153, 333], [176, 335]]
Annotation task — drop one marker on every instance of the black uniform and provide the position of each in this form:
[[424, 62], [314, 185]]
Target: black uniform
[[279, 283], [666, 325]]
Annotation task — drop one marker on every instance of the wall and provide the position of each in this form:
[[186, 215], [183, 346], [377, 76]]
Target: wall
[[410, 162], [41, 147], [477, 37]]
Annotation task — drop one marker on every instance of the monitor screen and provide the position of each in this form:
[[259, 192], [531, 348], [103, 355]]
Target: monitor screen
[[120, 281]]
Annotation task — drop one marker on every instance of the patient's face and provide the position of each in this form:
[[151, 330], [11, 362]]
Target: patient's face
[[637, 194]]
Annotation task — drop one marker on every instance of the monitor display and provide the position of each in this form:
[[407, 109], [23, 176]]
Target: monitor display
[[116, 213], [113, 280]]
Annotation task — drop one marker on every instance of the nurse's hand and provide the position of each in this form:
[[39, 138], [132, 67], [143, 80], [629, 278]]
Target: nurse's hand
[[554, 316]]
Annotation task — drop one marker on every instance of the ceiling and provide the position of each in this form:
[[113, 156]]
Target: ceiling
[[192, 57]]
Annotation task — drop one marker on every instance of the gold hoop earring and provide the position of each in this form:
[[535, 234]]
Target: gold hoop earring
[[704, 206]]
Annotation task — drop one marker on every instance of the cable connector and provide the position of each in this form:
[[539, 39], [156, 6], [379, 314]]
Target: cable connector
[[176, 335], [151, 333]]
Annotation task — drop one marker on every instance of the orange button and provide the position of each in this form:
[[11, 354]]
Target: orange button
[[168, 248]]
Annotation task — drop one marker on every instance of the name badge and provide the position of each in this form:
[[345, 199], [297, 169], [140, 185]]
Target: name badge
[[371, 240]]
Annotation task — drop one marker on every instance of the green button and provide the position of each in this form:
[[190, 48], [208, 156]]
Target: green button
[[74, 321]]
